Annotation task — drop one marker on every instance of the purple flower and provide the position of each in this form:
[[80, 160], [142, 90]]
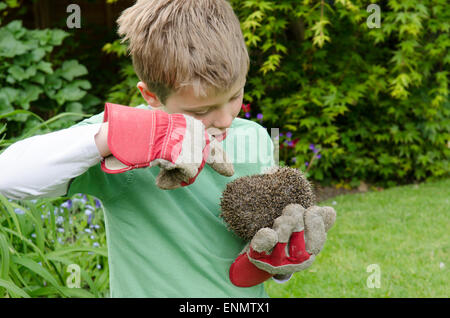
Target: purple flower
[[67, 204], [98, 204], [290, 144], [294, 160], [259, 116], [288, 134], [247, 115], [316, 150], [281, 135], [319, 156], [311, 146], [306, 163]]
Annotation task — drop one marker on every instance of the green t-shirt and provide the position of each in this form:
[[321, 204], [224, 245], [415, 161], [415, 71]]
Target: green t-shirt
[[172, 243]]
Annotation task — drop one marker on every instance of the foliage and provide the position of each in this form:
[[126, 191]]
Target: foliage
[[33, 88], [40, 239], [124, 92], [374, 100]]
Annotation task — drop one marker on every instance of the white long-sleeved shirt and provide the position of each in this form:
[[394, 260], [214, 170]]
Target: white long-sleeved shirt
[[43, 165]]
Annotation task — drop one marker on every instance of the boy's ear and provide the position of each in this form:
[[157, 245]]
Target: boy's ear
[[149, 97]]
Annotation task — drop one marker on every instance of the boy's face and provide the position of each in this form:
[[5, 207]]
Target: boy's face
[[215, 111]]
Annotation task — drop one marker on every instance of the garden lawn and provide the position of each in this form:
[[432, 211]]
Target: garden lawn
[[405, 231]]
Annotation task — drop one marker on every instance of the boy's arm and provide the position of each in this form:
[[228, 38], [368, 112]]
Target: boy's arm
[[42, 166]]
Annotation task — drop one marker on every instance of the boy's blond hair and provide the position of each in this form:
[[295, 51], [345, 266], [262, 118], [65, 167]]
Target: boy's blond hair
[[178, 43]]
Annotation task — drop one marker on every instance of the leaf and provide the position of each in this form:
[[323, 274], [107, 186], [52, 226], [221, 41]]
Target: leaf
[[71, 69], [115, 47], [74, 108], [8, 96], [38, 270], [84, 84], [9, 46], [51, 120], [30, 71], [37, 54], [69, 292], [30, 93], [13, 288], [53, 82], [90, 100], [45, 67], [39, 78], [69, 93], [69, 250], [17, 72], [23, 60], [4, 253], [57, 37], [15, 27]]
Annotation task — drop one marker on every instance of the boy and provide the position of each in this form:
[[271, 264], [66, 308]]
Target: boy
[[191, 59]]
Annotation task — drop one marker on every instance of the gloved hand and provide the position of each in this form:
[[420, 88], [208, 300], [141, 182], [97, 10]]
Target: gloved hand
[[297, 236], [177, 143]]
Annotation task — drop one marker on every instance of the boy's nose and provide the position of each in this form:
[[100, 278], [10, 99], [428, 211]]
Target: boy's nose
[[222, 120]]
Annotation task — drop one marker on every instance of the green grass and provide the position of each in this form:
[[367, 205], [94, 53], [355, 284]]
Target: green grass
[[404, 230]]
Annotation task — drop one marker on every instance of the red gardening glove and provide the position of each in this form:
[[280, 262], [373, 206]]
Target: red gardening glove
[[177, 143], [290, 246]]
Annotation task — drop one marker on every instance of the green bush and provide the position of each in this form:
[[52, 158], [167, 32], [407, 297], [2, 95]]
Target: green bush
[[34, 87], [375, 101], [124, 92]]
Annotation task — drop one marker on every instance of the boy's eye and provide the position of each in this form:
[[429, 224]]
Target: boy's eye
[[204, 112]]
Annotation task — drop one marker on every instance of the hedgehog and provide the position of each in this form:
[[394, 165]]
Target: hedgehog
[[253, 202]]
